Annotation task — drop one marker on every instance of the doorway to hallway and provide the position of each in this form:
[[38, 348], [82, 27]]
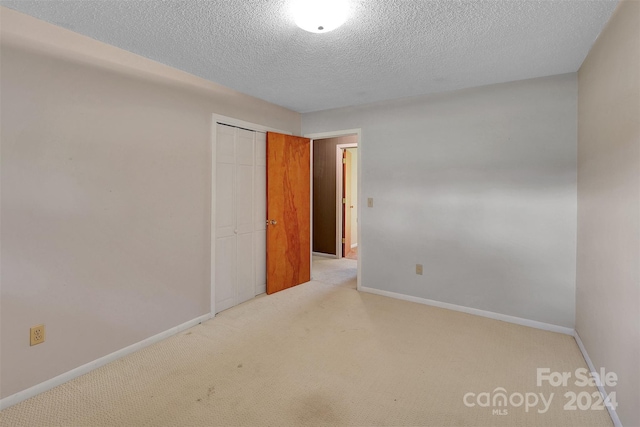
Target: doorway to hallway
[[336, 240], [335, 196]]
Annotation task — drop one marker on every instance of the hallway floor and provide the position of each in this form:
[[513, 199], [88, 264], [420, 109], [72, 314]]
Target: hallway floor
[[353, 253], [332, 271]]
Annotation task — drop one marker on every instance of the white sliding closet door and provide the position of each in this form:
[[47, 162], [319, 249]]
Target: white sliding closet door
[[240, 216]]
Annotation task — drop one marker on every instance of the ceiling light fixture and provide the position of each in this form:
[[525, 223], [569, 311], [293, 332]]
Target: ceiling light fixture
[[320, 16]]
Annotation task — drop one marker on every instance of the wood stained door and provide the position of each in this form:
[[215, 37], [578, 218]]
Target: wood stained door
[[288, 211]]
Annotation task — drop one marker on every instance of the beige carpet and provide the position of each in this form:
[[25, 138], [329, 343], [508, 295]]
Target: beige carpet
[[321, 354]]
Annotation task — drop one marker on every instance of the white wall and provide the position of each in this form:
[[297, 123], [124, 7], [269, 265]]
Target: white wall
[[354, 192], [608, 275], [106, 195], [478, 185]]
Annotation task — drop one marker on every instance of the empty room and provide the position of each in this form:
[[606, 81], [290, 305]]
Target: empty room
[[305, 212]]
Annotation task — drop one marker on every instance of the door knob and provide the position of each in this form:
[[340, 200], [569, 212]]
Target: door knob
[[274, 222]]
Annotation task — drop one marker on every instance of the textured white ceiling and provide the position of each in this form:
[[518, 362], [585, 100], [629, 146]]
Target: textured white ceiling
[[387, 48]]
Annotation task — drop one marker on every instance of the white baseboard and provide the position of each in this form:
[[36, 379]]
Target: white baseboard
[[81, 370], [612, 412], [475, 311], [321, 254]]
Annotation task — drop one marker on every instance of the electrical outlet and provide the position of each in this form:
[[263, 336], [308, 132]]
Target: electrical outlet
[[370, 202], [37, 334], [419, 269]]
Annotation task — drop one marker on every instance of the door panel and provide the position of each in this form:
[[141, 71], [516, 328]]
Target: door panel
[[261, 182], [245, 271], [261, 262], [288, 203], [244, 146], [225, 273], [260, 198], [260, 208], [244, 215], [225, 213], [244, 196], [225, 150]]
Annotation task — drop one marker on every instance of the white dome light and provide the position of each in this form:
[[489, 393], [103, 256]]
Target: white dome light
[[320, 16]]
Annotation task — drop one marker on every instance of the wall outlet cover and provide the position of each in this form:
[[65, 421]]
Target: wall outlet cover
[[37, 334]]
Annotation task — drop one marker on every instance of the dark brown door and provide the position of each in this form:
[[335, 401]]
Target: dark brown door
[[288, 211]]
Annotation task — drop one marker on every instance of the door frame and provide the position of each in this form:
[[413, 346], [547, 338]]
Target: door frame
[[335, 134], [217, 118], [339, 179]]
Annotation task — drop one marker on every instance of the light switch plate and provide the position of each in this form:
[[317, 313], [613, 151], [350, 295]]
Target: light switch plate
[[370, 202]]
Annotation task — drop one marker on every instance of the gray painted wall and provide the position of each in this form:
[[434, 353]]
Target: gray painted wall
[[608, 275], [478, 185]]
